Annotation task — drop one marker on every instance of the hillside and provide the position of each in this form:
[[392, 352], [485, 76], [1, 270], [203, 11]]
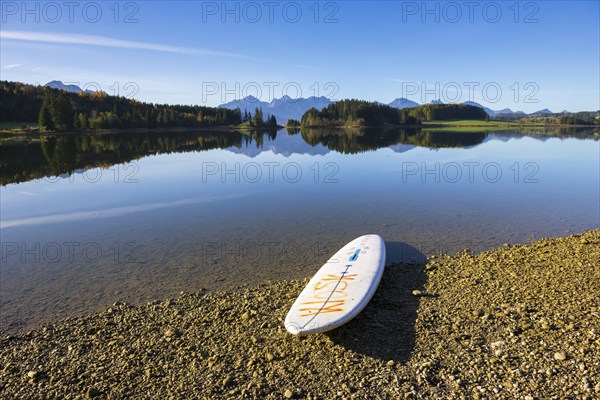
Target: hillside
[[61, 110]]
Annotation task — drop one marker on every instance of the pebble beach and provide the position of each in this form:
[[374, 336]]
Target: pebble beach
[[516, 322]]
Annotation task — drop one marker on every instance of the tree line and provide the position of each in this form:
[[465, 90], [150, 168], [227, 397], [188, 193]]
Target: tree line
[[580, 118], [359, 113], [355, 113], [446, 112], [59, 110], [257, 121]]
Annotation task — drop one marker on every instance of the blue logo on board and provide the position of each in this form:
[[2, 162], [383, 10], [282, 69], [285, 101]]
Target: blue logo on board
[[355, 255]]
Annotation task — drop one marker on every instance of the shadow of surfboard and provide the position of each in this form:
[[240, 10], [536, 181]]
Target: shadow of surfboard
[[385, 329]]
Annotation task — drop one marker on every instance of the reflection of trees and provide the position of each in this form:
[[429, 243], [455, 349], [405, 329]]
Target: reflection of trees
[[55, 155], [439, 139], [349, 140], [359, 140], [356, 140], [258, 137]]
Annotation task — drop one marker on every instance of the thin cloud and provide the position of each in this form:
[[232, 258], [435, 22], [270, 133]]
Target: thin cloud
[[12, 66], [90, 40]]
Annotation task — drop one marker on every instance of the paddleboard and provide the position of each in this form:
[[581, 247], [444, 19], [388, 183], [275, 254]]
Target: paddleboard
[[340, 289]]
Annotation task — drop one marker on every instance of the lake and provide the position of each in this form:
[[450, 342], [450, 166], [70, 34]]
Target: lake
[[94, 219]]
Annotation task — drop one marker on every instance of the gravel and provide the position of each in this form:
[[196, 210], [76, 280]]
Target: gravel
[[516, 322]]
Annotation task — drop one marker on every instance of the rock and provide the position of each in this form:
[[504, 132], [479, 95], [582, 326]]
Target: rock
[[560, 356], [245, 316], [172, 332], [347, 388], [93, 392], [417, 293], [448, 351]]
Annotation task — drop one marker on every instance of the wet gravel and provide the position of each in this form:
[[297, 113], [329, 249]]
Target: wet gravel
[[516, 322]]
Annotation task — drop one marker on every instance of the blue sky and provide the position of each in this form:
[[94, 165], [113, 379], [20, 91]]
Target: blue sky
[[530, 55]]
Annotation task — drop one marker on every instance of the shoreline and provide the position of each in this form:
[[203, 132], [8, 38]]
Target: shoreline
[[7, 134], [518, 320], [490, 126]]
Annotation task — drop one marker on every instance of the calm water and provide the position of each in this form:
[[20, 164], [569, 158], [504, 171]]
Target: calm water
[[87, 221]]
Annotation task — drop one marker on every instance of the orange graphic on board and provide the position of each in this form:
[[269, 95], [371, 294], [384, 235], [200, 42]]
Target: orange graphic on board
[[325, 301]]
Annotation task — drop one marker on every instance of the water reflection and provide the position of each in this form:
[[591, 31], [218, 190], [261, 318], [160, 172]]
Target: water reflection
[[77, 245], [352, 141], [26, 160]]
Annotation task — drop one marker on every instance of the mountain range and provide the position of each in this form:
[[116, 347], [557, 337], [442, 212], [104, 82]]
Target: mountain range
[[283, 109], [286, 108]]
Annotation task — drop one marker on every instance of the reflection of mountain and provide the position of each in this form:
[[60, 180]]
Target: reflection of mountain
[[285, 145], [68, 154], [401, 148], [542, 134]]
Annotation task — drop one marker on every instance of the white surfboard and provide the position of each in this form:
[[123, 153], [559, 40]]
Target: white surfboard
[[340, 289]]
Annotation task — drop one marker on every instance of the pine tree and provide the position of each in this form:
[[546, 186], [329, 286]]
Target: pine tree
[[45, 119], [61, 110], [258, 117]]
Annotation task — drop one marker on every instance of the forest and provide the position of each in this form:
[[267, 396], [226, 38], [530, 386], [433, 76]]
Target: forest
[[445, 112], [59, 110], [579, 118], [359, 113]]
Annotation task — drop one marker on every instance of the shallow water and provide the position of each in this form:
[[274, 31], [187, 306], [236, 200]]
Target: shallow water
[[136, 217]]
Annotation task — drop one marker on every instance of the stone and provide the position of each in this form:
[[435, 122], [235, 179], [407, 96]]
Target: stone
[[93, 392], [560, 356]]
